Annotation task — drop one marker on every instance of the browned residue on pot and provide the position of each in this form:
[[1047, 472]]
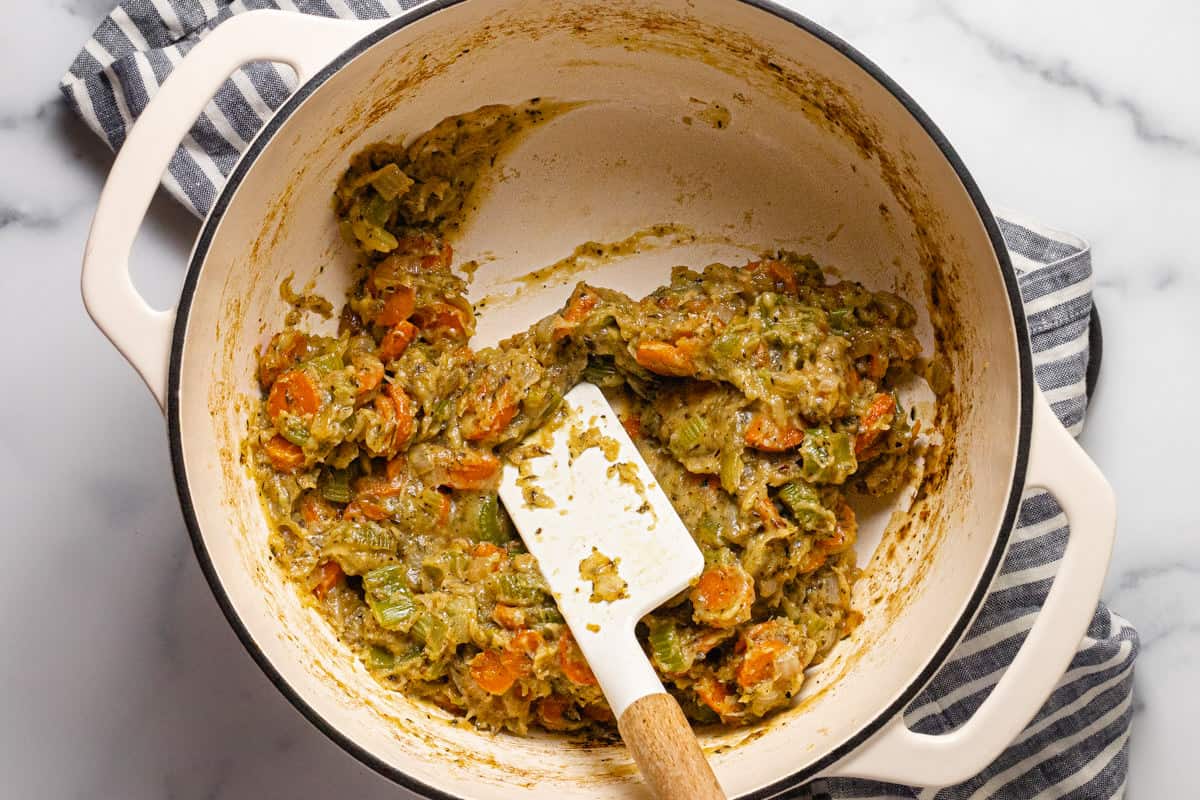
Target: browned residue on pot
[[825, 103]]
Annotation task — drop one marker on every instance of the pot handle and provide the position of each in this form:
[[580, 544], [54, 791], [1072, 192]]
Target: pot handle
[[143, 334], [1060, 466]]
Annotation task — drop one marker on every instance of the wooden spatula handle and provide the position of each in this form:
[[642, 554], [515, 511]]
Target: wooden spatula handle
[[661, 740]]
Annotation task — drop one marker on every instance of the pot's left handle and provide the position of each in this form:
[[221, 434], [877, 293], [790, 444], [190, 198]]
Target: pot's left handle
[[142, 334]]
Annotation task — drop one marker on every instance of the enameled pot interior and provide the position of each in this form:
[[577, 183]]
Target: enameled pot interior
[[817, 156]]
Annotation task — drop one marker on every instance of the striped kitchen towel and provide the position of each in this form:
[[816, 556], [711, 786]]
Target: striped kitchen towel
[[1077, 745]]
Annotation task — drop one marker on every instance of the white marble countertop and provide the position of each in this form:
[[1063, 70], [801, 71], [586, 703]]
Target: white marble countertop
[[120, 676]]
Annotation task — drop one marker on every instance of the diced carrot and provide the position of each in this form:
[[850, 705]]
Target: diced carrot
[[763, 434], [813, 561], [883, 405], [444, 511], [385, 408], [331, 573], [379, 486], [572, 663], [370, 492], [496, 671], [516, 661], [632, 425], [395, 468], [503, 416], [492, 415], [441, 319], [283, 455], [293, 392], [405, 417], [285, 350], [665, 359], [398, 307], [440, 260], [369, 376], [315, 509], [783, 276], [511, 617], [716, 695], [845, 532], [843, 535], [421, 249], [870, 427], [486, 550], [834, 543], [758, 664], [598, 712], [491, 673], [397, 340], [472, 470], [575, 312], [877, 366], [721, 588], [552, 711], [368, 507], [769, 512], [528, 641], [580, 306]]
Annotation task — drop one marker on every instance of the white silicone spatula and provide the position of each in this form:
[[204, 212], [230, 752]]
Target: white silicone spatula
[[596, 509]]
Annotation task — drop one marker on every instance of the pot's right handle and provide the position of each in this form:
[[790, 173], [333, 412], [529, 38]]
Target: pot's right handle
[[1058, 465], [142, 334]]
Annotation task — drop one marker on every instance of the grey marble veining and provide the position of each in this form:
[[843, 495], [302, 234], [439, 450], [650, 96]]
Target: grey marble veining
[[121, 677]]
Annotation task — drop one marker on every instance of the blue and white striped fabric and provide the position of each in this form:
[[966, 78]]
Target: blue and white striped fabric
[[1078, 744]]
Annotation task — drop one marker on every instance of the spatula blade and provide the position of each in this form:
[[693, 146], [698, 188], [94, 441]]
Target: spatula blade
[[598, 507]]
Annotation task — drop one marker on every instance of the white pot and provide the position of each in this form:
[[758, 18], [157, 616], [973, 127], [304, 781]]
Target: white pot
[[819, 140]]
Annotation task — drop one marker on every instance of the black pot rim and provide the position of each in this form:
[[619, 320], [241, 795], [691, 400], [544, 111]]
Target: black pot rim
[[200, 252]]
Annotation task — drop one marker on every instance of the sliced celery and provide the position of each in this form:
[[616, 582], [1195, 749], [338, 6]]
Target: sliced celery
[[667, 648], [840, 319], [447, 564], [388, 596], [380, 657], [431, 630], [689, 435], [804, 502], [827, 456], [515, 588], [351, 536], [390, 181], [335, 485], [326, 363], [386, 580], [294, 430], [488, 525], [538, 616], [731, 469], [602, 372]]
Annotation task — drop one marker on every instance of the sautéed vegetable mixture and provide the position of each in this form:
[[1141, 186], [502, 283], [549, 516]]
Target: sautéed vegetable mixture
[[758, 394]]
